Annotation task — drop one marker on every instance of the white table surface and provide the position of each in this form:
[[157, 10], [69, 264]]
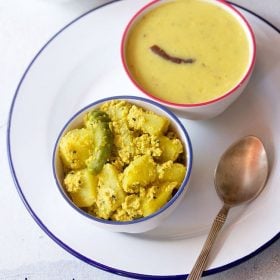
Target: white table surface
[[26, 252]]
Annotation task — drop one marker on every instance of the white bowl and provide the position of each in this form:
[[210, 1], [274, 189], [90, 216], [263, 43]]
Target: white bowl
[[153, 220], [213, 107]]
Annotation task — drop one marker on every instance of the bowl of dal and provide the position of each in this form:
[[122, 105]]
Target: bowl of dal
[[193, 56], [124, 163]]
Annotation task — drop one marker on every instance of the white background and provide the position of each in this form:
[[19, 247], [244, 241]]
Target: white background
[[25, 250]]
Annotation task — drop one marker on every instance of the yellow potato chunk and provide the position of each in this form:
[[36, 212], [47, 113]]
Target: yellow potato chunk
[[75, 148], [147, 121], [82, 187], [171, 172], [110, 193], [171, 148], [158, 197], [140, 172]]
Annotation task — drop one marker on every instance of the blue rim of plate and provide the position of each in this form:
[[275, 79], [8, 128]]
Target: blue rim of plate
[[60, 242]]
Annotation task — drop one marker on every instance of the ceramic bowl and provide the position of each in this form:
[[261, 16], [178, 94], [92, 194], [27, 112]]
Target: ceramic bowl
[[210, 108], [141, 224]]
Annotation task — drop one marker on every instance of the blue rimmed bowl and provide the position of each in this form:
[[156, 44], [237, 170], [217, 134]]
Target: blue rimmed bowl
[[141, 224]]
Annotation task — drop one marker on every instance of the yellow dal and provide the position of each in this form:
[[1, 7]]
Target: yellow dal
[[188, 29]]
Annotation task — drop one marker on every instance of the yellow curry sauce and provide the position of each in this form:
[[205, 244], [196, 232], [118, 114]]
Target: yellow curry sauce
[[187, 51]]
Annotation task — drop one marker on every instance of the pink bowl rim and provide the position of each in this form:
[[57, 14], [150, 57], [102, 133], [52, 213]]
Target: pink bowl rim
[[185, 105]]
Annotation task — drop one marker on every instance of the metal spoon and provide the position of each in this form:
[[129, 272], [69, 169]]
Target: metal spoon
[[240, 177]]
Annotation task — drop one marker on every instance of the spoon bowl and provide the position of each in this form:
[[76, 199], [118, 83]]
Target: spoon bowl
[[242, 171], [240, 177]]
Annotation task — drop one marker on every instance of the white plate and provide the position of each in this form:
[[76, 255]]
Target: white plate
[[81, 64]]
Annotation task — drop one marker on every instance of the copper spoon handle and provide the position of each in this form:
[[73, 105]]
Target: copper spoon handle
[[201, 261]]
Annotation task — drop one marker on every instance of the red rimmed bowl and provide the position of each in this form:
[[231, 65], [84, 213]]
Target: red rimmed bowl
[[150, 65]]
